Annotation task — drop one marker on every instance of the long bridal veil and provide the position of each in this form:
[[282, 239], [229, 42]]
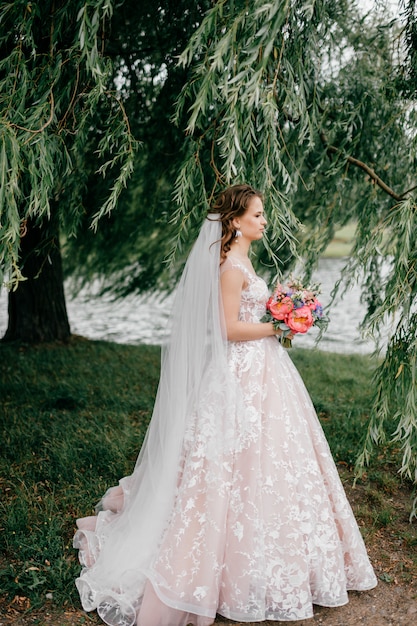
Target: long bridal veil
[[118, 552]]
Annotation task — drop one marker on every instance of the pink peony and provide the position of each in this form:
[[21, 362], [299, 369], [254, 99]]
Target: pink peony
[[279, 310], [300, 320]]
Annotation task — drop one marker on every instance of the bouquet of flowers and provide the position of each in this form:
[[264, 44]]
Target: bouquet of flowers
[[294, 309]]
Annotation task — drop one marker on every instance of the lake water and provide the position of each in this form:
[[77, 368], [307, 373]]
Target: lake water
[[139, 319]]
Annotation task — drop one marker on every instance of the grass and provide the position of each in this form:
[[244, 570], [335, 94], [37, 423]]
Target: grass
[[73, 418], [342, 243]]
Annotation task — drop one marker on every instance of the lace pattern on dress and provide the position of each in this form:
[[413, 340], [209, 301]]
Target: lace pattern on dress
[[261, 528]]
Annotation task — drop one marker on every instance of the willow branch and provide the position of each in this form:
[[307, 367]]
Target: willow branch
[[371, 173], [409, 191], [45, 125], [74, 94]]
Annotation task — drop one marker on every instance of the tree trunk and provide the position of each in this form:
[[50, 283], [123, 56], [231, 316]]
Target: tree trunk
[[37, 310]]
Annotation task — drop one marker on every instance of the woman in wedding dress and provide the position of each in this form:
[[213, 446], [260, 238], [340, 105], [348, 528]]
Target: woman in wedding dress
[[235, 505]]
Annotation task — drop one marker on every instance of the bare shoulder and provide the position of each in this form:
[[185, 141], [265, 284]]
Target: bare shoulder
[[232, 274]]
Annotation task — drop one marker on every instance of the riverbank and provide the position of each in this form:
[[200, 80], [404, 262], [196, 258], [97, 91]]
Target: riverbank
[[342, 242], [73, 418]]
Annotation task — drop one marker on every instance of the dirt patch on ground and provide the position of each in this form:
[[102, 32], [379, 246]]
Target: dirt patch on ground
[[386, 605], [392, 545]]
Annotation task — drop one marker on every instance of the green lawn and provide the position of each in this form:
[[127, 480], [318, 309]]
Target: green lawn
[[73, 418]]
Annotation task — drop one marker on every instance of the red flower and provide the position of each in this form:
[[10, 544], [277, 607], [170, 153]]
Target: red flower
[[279, 310], [300, 320]]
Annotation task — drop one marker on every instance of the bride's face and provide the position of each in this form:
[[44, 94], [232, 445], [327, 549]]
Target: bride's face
[[252, 223]]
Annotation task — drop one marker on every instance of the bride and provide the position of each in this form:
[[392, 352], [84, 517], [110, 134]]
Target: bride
[[235, 505]]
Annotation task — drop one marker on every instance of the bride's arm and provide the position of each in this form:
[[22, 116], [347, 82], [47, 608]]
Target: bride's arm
[[232, 282]]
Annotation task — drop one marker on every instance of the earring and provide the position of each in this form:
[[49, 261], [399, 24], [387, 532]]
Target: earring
[[238, 234]]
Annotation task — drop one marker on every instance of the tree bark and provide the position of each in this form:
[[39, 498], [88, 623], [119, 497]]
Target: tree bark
[[37, 309]]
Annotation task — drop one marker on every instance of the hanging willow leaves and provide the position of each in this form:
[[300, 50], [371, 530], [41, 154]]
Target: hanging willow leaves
[[56, 107]]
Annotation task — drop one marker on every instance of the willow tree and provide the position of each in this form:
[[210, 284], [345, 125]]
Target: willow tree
[[305, 100], [57, 110], [63, 124], [309, 100]]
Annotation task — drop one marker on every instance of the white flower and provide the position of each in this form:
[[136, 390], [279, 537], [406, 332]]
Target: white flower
[[238, 530], [190, 504], [200, 592]]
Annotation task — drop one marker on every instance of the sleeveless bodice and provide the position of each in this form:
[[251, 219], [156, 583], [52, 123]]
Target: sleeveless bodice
[[254, 295]]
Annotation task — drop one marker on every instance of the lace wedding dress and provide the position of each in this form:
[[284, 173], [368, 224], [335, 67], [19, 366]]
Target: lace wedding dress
[[259, 527]]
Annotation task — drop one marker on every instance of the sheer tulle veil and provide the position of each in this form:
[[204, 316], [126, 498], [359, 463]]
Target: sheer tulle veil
[[114, 578]]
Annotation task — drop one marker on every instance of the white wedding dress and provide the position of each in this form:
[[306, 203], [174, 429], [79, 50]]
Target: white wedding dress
[[259, 527]]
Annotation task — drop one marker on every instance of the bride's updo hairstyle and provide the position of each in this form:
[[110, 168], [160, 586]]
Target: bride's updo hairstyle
[[229, 204]]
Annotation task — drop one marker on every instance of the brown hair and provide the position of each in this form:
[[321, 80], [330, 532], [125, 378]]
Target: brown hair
[[229, 204]]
